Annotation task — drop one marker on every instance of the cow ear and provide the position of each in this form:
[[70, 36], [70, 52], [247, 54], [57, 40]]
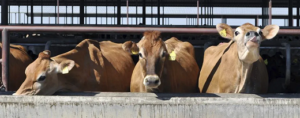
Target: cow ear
[[270, 31], [225, 30], [131, 47], [65, 66]]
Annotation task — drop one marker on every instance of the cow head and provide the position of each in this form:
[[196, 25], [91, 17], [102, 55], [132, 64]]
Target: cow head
[[152, 55], [43, 75], [248, 38]]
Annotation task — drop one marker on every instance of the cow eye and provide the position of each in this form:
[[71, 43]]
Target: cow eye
[[260, 32], [236, 33], [163, 54], [41, 78], [140, 54]]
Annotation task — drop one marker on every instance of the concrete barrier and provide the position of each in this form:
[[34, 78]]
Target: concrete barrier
[[150, 105]]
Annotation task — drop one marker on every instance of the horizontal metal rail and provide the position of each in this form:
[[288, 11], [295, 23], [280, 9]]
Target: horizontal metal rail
[[195, 46], [123, 29], [6, 41]]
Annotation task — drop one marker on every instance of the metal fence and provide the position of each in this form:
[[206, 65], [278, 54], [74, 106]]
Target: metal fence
[[153, 12]]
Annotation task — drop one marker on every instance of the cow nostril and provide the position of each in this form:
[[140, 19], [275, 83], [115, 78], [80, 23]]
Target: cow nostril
[[156, 81], [248, 34], [256, 34]]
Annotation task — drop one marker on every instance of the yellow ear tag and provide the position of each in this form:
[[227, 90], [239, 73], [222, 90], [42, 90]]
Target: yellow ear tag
[[65, 70], [223, 33], [266, 61], [172, 56], [134, 52]]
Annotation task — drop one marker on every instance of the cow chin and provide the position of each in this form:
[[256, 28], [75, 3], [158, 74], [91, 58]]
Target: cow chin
[[252, 45], [28, 92]]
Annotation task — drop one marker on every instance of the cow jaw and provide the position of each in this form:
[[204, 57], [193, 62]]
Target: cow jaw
[[248, 55]]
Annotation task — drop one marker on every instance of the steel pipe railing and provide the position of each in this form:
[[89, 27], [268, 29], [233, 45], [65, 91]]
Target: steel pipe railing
[[6, 29]]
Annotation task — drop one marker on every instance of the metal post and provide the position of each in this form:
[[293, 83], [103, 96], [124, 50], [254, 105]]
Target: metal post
[[32, 19], [256, 21], [127, 12], [41, 11], [57, 11], [81, 12], [119, 12], [19, 15], [144, 12], [270, 12], [158, 12], [96, 12], [15, 18], [72, 12], [197, 12], [5, 59], [288, 64], [290, 7], [298, 13], [4, 12]]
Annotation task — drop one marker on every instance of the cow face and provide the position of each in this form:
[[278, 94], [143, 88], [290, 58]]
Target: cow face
[[42, 75], [248, 38], [152, 55]]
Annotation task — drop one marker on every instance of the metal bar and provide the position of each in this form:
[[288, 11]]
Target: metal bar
[[270, 12], [288, 64], [125, 29], [4, 12], [15, 18], [119, 12], [42, 11], [158, 12], [19, 15], [136, 12], [57, 11], [81, 11], [5, 59], [31, 19], [298, 22], [144, 12], [27, 11], [127, 12], [256, 21], [66, 17], [197, 12], [72, 12], [96, 12], [290, 13]]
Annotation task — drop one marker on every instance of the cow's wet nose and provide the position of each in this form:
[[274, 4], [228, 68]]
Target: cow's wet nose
[[152, 81]]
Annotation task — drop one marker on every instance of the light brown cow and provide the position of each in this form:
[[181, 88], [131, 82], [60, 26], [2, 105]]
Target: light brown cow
[[156, 71], [91, 66], [236, 67], [18, 61]]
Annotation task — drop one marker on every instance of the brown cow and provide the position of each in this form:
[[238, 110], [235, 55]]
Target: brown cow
[[159, 69], [91, 66], [18, 61], [236, 67]]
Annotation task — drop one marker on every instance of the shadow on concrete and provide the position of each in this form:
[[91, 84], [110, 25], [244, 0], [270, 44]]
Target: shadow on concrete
[[168, 96]]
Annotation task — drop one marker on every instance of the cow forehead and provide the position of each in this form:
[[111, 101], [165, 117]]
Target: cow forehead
[[152, 47], [37, 67], [248, 27]]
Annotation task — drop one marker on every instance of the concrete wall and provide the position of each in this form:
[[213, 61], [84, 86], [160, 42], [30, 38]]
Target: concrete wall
[[150, 105]]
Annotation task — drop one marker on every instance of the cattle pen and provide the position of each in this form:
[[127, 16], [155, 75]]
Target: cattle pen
[[106, 104], [60, 25]]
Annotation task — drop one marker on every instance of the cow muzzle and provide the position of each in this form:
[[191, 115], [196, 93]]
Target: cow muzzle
[[151, 81]]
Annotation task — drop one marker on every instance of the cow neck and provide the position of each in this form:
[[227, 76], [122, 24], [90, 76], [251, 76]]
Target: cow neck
[[244, 76]]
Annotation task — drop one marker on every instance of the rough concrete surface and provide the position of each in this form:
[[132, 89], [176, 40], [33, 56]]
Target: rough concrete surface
[[150, 105]]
